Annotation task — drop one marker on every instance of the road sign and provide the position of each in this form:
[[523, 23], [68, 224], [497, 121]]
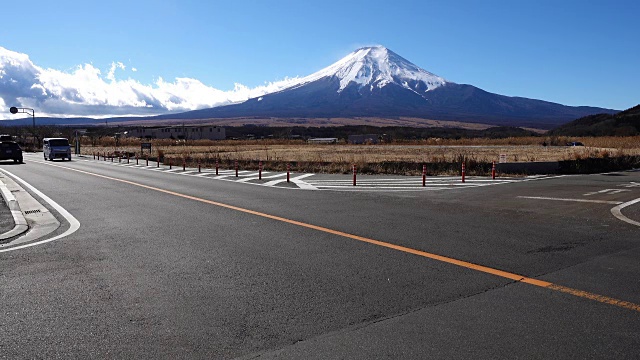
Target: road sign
[[503, 158]]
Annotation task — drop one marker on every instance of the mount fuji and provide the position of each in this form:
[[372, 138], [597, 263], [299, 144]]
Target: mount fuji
[[376, 82]]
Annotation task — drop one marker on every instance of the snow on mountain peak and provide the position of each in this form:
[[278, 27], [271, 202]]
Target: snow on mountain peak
[[377, 66]]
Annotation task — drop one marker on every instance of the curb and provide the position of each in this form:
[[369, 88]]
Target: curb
[[21, 225]]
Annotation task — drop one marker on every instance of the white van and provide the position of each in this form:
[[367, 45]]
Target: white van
[[56, 148]]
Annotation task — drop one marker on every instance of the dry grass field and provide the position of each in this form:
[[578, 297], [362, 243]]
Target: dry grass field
[[407, 156]]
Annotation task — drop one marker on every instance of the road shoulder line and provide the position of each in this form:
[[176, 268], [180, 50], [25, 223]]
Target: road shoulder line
[[617, 212]]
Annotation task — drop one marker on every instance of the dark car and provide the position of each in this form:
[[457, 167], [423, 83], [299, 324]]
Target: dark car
[[575, 143], [10, 150]]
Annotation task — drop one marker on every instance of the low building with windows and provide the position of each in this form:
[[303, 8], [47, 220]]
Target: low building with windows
[[208, 132]]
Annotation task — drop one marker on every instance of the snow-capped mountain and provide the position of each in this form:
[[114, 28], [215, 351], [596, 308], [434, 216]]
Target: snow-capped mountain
[[376, 67], [376, 82]]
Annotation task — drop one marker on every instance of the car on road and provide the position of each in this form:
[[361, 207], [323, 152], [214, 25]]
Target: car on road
[[56, 148], [10, 150]]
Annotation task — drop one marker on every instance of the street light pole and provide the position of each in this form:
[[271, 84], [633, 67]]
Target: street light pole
[[15, 110]]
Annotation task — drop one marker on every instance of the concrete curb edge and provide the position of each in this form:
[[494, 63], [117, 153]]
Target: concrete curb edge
[[21, 225]]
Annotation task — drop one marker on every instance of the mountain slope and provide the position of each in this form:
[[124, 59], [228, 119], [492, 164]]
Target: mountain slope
[[376, 82], [624, 123]]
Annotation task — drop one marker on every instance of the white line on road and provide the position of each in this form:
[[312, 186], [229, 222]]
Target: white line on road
[[74, 224], [617, 212], [574, 200]]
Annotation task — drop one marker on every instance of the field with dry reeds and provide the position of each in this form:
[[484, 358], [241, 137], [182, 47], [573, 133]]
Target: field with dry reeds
[[443, 155]]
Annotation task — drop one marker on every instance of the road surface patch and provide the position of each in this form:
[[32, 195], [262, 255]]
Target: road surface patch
[[485, 269]]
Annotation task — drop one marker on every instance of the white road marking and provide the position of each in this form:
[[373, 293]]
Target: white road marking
[[294, 180], [573, 200], [264, 177], [617, 212], [74, 224], [606, 191]]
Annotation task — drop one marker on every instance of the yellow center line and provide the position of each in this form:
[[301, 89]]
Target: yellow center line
[[445, 259]]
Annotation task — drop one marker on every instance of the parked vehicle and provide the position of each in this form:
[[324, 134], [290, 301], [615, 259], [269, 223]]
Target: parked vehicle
[[575, 143], [56, 148], [10, 150]]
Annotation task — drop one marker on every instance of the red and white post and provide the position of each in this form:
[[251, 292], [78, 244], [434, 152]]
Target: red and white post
[[184, 164], [424, 175], [147, 160], [493, 170], [260, 170], [355, 171], [463, 172], [199, 167], [288, 171], [236, 166], [217, 166]]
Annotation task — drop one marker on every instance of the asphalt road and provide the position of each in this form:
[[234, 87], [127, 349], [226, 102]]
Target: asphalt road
[[171, 266]]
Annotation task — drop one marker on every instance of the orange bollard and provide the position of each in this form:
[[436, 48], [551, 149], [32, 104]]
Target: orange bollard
[[424, 175], [354, 174], [463, 172], [260, 170], [493, 170], [288, 170]]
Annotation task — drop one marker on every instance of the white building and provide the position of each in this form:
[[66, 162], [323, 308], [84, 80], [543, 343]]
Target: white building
[[208, 132]]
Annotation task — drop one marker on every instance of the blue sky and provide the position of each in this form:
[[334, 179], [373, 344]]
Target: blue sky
[[570, 52]]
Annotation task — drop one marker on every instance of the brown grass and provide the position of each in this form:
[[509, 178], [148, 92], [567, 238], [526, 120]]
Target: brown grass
[[399, 157]]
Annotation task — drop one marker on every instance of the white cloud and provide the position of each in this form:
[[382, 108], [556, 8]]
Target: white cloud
[[84, 91]]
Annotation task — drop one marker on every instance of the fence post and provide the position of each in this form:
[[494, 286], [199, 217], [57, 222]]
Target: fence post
[[424, 175]]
